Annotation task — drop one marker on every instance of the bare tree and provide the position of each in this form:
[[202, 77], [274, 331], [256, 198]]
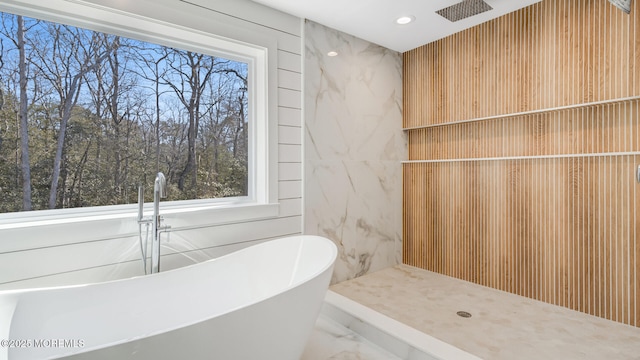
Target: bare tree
[[122, 107], [24, 120], [225, 121], [193, 71], [152, 68], [70, 54], [116, 117], [17, 36], [97, 110]]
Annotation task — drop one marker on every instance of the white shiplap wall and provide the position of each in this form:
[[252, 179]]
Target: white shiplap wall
[[108, 249]]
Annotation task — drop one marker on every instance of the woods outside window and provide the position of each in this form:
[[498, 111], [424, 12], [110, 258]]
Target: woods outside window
[[86, 117]]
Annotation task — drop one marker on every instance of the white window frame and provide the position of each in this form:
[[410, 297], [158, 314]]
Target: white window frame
[[254, 49]]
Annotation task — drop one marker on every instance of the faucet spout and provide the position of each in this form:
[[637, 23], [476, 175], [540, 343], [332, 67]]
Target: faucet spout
[[160, 186], [159, 191]]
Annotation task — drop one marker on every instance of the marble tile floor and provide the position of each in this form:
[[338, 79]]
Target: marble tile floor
[[502, 326], [331, 340]]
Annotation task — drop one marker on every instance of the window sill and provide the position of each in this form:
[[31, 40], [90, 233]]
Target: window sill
[[179, 214]]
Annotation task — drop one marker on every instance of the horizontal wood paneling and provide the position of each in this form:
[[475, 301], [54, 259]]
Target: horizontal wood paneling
[[224, 10], [551, 54], [290, 189], [29, 265], [290, 98], [289, 116], [290, 80], [291, 135], [289, 171], [289, 61], [562, 229]]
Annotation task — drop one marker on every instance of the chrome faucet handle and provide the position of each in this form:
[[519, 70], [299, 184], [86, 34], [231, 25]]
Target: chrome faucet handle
[[166, 229], [141, 218]]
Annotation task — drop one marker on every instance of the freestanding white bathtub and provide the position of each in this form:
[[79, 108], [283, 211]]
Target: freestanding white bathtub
[[257, 303]]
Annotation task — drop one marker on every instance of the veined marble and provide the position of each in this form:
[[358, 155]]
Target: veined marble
[[503, 326], [353, 145], [331, 340]]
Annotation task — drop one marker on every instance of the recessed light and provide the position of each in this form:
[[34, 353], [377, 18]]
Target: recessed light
[[332, 53], [404, 20]]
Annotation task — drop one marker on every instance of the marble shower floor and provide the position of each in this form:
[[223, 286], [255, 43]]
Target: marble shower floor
[[330, 340], [502, 326]]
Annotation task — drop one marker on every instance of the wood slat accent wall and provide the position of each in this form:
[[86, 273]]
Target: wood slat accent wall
[[563, 229], [551, 54], [591, 129]]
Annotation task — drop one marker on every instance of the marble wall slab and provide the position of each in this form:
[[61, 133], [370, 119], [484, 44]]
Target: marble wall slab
[[353, 148]]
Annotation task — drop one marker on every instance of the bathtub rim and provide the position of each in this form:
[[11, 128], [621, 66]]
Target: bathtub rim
[[183, 268], [16, 294]]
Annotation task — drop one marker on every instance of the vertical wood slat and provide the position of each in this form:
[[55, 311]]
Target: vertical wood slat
[[592, 250], [580, 50], [560, 230], [591, 129]]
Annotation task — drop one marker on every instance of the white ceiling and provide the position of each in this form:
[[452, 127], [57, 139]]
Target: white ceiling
[[374, 20]]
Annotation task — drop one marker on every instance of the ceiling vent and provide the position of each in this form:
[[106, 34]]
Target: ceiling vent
[[463, 10]]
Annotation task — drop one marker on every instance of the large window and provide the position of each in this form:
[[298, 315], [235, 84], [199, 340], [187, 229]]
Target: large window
[[86, 117]]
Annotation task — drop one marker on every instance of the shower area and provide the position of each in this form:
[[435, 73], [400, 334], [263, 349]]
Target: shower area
[[520, 190], [524, 152]]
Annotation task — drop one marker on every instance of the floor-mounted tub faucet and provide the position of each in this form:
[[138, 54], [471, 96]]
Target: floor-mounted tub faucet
[[159, 191], [146, 221]]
